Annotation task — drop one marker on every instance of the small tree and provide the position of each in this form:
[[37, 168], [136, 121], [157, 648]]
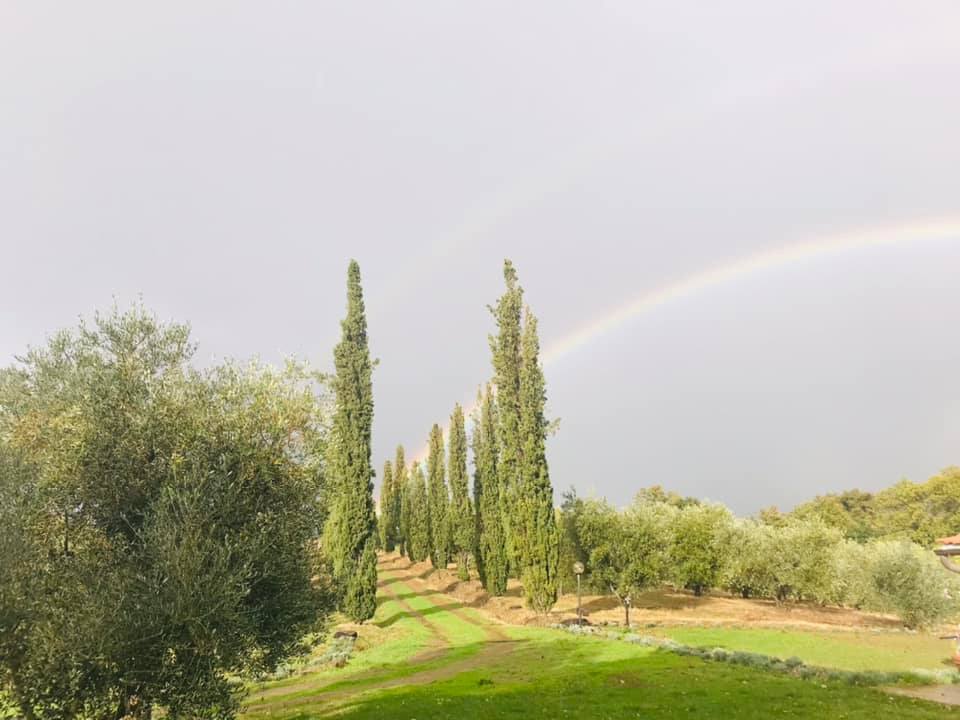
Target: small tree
[[697, 552], [749, 564], [803, 553], [909, 581], [626, 551]]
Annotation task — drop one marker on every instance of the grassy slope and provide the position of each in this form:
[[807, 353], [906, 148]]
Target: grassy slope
[[550, 674]]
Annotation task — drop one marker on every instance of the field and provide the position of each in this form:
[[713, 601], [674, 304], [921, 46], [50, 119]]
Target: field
[[426, 655]]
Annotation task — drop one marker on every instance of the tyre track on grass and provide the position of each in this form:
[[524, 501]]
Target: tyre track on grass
[[495, 646]]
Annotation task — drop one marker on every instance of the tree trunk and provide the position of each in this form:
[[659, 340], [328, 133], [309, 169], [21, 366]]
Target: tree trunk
[[626, 611]]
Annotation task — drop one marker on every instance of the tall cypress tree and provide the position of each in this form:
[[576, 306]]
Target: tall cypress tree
[[505, 346], [492, 556], [350, 530], [399, 491], [386, 525], [439, 501], [418, 543], [539, 551], [461, 513]]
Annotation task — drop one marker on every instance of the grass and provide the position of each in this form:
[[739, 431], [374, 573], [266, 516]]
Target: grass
[[533, 673], [845, 650]]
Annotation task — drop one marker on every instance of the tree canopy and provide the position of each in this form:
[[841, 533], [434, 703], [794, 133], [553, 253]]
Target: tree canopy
[[156, 522]]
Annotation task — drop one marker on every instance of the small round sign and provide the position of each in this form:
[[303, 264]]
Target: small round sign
[[578, 568]]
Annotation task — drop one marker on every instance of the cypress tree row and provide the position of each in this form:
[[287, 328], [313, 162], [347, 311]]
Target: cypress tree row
[[505, 346], [461, 514], [349, 536], [439, 501], [399, 495], [418, 541], [539, 542], [492, 556], [386, 526]]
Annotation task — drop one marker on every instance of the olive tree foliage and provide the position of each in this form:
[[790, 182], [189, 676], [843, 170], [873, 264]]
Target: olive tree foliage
[[797, 559], [909, 581], [749, 566], [157, 523], [626, 551], [697, 550]]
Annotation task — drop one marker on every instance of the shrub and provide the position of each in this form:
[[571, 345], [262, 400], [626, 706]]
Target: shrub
[[909, 581]]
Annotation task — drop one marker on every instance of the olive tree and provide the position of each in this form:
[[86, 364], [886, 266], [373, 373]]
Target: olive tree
[[164, 519], [697, 551], [625, 551]]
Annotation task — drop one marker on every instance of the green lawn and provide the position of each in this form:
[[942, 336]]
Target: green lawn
[[841, 649], [493, 671]]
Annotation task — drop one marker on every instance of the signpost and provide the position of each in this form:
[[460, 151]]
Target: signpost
[[578, 571]]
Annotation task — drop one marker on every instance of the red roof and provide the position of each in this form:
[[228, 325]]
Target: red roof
[[952, 540]]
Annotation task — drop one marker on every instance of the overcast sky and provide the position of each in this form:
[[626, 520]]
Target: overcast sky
[[225, 160]]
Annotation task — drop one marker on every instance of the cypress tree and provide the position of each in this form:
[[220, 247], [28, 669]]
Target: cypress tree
[[406, 516], [359, 603], [387, 525], [461, 514], [418, 543], [439, 501], [399, 495], [492, 556], [540, 543], [505, 346], [350, 532]]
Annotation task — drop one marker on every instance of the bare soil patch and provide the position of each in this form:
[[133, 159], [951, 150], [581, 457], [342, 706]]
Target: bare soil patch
[[658, 607]]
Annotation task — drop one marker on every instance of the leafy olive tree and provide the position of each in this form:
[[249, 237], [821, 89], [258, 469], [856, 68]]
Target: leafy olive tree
[[697, 551], [626, 551], [158, 523]]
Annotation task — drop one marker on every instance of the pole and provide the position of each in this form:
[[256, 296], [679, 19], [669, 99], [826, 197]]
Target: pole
[[579, 611]]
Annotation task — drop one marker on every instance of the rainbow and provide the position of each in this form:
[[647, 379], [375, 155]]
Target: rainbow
[[815, 249]]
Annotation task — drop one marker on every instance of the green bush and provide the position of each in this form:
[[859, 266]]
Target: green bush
[[908, 580]]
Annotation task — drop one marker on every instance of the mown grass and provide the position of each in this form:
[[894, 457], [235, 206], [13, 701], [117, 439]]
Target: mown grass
[[405, 638], [554, 676], [550, 674], [845, 650]]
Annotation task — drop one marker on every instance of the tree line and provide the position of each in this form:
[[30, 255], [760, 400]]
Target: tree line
[[662, 539], [508, 527], [921, 512]]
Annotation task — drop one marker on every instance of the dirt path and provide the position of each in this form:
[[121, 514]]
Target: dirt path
[[943, 694], [496, 645]]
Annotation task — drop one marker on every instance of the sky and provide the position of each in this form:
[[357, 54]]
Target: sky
[[225, 160]]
